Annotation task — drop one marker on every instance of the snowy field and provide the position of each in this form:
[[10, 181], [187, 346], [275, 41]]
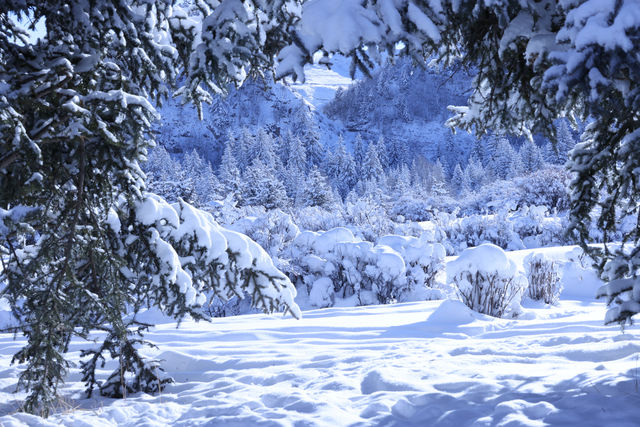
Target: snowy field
[[422, 363]]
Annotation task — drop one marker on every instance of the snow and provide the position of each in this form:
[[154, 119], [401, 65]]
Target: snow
[[321, 84], [487, 258], [423, 363]]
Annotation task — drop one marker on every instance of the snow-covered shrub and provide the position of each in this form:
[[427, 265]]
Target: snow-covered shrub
[[537, 228], [368, 216], [315, 218], [423, 261], [487, 281], [272, 230], [357, 270], [543, 276], [546, 187], [475, 230]]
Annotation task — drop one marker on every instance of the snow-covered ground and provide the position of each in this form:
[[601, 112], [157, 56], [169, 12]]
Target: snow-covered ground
[[321, 83], [423, 363]]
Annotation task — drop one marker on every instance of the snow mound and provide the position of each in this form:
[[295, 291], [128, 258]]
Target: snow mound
[[452, 312], [375, 381]]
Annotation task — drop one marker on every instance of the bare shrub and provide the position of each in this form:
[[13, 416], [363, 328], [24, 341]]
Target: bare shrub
[[544, 280]]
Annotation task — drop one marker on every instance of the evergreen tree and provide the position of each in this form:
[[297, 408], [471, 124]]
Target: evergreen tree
[[263, 188], [264, 148], [205, 183], [564, 143], [474, 174], [296, 171], [402, 187], [372, 168], [229, 173], [503, 159], [166, 177], [396, 152], [457, 180], [438, 179], [516, 168], [383, 155], [244, 146], [306, 129], [317, 191], [95, 247], [531, 155], [359, 155], [341, 169]]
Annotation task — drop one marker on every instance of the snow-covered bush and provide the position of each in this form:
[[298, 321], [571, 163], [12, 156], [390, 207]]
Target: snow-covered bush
[[475, 230], [423, 262], [315, 218], [356, 270], [487, 281], [273, 230], [335, 265], [543, 276]]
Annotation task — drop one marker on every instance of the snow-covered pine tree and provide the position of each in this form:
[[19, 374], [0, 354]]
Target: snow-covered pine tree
[[317, 191], [296, 171], [359, 154], [502, 158], [167, 178], [264, 148], [564, 142], [397, 152], [244, 146], [457, 181], [474, 174], [438, 179], [229, 173], [305, 128], [383, 153], [81, 242], [341, 169], [263, 188], [517, 167], [372, 169], [531, 156], [205, 183]]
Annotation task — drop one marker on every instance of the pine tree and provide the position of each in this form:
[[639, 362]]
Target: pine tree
[[457, 180], [503, 159], [474, 174], [359, 155], [317, 191], [229, 173], [564, 143], [95, 247], [341, 169], [306, 129], [396, 152], [372, 168], [263, 188], [245, 144], [531, 155], [295, 173], [205, 183], [167, 178], [383, 155], [438, 178]]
